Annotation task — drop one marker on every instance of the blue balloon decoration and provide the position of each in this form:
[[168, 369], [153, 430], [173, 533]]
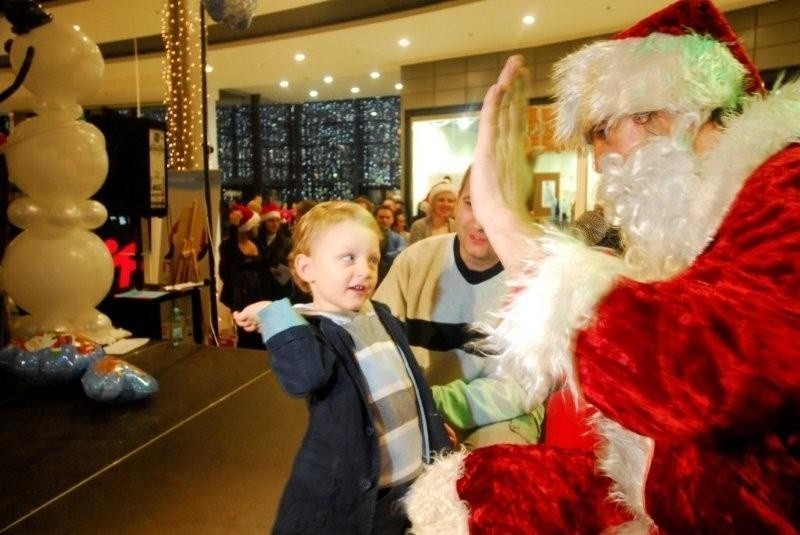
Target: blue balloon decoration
[[63, 359], [112, 380]]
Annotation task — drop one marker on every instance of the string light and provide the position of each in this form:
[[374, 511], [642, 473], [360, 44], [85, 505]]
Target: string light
[[179, 29]]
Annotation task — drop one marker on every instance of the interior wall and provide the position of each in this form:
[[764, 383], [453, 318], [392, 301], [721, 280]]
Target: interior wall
[[770, 33]]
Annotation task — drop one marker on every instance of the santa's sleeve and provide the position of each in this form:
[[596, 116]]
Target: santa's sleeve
[[688, 357], [715, 349]]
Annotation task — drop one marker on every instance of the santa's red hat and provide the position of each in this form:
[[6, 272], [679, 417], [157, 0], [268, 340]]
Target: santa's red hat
[[270, 211], [247, 219], [683, 58]]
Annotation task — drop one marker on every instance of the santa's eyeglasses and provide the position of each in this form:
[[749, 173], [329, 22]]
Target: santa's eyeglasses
[[601, 130]]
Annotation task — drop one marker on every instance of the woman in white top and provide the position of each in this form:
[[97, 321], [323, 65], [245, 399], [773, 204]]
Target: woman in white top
[[442, 199]]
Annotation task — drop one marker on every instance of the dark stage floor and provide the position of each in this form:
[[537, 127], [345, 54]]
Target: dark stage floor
[[209, 453]]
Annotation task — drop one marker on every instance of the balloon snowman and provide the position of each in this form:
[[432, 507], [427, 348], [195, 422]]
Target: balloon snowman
[[56, 269]]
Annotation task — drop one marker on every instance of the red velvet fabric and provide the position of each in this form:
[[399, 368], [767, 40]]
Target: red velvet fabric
[[566, 424], [551, 479], [706, 364]]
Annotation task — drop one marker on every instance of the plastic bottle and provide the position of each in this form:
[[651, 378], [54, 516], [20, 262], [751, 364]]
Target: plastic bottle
[[176, 326]]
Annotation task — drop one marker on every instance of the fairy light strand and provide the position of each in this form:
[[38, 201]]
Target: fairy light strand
[[179, 30]]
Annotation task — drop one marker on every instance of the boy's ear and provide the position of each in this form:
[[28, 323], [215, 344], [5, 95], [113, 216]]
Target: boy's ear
[[304, 268]]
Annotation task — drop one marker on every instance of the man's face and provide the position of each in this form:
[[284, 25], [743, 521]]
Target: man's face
[[272, 224], [646, 190], [474, 246], [627, 134], [385, 218]]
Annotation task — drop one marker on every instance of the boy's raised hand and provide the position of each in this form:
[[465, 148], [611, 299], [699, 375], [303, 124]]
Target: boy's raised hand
[[247, 318]]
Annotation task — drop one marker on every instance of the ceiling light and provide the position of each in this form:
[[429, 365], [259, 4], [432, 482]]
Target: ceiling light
[[404, 42], [299, 57], [528, 20], [284, 83], [209, 68], [354, 90], [313, 93], [328, 79], [76, 28], [398, 86], [374, 75]]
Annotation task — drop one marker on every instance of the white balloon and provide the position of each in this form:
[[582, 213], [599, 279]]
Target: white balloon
[[24, 327], [57, 278], [92, 321], [67, 66], [49, 158], [53, 324], [25, 212], [93, 214], [56, 269], [64, 213]]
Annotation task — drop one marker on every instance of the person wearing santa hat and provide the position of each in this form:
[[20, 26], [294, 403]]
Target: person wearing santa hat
[[439, 218], [684, 351], [276, 246], [243, 269]]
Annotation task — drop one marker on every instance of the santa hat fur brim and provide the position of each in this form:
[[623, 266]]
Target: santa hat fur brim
[[607, 80]]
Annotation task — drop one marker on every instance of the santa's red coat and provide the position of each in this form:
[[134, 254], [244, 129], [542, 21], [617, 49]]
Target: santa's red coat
[[707, 365]]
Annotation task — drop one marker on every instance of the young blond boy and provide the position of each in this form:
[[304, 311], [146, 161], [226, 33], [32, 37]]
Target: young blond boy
[[373, 422]]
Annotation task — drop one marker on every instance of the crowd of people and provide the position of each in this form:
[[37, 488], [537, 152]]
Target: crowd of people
[[509, 378], [253, 255]]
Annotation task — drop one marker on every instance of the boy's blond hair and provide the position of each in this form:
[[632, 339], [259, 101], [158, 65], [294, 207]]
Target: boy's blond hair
[[319, 219]]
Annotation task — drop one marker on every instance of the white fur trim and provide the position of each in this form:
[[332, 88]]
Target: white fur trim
[[625, 458], [557, 295], [634, 527], [765, 126], [250, 224], [433, 504], [607, 80]]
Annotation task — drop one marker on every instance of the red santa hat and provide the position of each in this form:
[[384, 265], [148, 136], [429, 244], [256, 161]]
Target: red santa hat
[[248, 220], [270, 210], [682, 58]]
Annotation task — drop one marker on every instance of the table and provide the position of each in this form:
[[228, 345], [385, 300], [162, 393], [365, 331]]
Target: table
[[210, 453], [148, 313]]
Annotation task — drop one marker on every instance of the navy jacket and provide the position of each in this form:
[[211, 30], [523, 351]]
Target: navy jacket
[[334, 482]]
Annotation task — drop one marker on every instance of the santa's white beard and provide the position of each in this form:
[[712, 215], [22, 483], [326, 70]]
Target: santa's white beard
[[650, 196]]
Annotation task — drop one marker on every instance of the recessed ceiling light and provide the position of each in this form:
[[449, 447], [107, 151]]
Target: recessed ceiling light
[[284, 83], [354, 90], [328, 79], [404, 42], [209, 68], [76, 28], [398, 86], [374, 75], [299, 57], [528, 20], [313, 93]]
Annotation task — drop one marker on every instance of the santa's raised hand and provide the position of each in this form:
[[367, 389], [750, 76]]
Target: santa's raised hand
[[501, 180]]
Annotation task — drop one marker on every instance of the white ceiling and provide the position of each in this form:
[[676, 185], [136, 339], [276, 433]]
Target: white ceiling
[[347, 52]]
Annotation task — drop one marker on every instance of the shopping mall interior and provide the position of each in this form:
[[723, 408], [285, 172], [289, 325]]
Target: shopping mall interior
[[289, 100]]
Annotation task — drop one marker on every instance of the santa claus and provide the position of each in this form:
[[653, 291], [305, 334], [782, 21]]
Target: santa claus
[[681, 358]]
